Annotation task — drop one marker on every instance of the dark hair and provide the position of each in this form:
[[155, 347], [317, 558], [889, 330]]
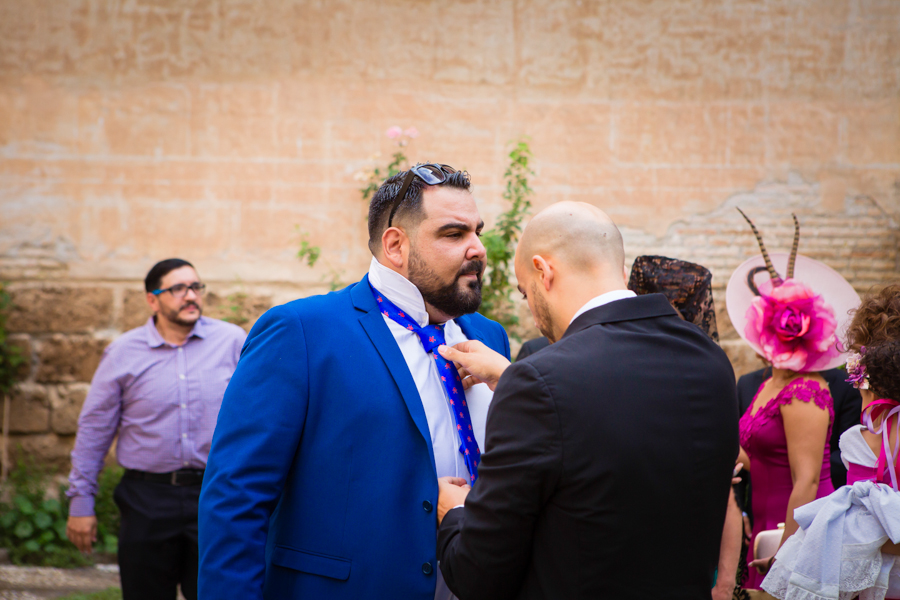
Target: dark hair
[[877, 320], [882, 364], [161, 269], [410, 209]]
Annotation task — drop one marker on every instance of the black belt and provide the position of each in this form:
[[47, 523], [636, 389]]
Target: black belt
[[180, 477]]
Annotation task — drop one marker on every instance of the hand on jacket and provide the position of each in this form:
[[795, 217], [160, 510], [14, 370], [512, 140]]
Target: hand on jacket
[[452, 492]]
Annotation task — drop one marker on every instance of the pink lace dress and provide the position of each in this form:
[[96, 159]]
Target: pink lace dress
[[762, 436]]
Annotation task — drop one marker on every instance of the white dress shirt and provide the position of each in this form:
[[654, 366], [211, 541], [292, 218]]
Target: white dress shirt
[[603, 299], [444, 439]]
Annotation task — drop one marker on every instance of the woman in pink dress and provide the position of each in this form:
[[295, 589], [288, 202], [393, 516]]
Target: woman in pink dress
[[784, 433]]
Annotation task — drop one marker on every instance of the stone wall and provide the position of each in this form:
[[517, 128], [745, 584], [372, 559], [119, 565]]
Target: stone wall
[[222, 131]]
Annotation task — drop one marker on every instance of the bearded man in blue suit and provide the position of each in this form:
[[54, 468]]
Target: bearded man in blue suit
[[339, 420]]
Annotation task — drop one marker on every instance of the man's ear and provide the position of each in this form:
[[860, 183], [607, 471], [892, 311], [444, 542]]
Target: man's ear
[[395, 246], [544, 269], [153, 301]]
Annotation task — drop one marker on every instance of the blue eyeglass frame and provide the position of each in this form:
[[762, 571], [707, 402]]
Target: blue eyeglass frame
[[197, 287]]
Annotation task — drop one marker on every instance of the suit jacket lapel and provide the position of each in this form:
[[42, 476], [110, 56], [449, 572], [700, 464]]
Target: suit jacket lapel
[[383, 340]]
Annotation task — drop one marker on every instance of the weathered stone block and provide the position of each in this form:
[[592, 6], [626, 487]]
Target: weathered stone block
[[60, 309], [22, 344], [238, 308], [29, 409], [46, 449], [742, 357], [65, 359], [135, 309], [66, 406]]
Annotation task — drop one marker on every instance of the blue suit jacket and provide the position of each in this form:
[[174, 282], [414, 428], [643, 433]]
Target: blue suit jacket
[[321, 481]]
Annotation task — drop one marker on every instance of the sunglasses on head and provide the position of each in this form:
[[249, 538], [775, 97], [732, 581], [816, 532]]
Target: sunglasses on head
[[430, 173]]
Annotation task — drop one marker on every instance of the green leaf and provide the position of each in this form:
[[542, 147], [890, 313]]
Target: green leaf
[[42, 520], [23, 529], [8, 518], [60, 527], [51, 548], [32, 546], [24, 505], [47, 537], [52, 506]]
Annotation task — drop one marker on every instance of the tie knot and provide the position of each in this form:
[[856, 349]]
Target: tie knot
[[432, 336]]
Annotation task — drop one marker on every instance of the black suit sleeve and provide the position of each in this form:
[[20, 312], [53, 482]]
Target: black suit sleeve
[[532, 346], [484, 549], [847, 408]]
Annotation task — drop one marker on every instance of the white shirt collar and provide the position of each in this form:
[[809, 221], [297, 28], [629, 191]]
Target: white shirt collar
[[399, 290], [603, 299]]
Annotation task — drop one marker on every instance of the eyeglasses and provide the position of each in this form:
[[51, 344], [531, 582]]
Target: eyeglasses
[[179, 290], [430, 173]]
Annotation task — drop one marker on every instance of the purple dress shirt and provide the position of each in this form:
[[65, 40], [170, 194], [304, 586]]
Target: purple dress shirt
[[163, 401]]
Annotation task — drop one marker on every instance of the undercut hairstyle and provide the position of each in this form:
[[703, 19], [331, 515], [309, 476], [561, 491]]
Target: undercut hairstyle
[[877, 320], [154, 277], [410, 211]]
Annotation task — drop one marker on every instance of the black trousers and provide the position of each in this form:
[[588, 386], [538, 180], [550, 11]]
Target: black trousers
[[157, 540]]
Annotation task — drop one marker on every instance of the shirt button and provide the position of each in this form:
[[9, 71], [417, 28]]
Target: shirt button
[[181, 376], [184, 435], [427, 506], [426, 568], [180, 348], [184, 406], [186, 463]]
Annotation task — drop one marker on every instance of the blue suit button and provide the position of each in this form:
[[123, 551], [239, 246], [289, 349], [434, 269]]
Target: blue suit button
[[427, 506], [426, 568]]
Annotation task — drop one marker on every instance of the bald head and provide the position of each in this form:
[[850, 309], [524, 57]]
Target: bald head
[[577, 234]]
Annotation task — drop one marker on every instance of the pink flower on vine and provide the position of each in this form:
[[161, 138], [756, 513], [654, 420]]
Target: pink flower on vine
[[411, 132], [393, 132]]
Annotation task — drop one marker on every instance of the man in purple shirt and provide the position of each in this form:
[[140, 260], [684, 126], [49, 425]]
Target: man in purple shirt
[[159, 387]]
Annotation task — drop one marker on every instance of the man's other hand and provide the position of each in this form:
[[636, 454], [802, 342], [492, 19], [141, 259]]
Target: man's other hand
[[452, 492], [482, 364], [82, 531]]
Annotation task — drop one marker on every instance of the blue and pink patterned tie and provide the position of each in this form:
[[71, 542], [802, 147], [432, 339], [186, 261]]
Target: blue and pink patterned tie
[[431, 337]]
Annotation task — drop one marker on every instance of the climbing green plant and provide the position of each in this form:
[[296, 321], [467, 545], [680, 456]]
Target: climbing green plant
[[500, 242], [10, 356], [375, 176], [33, 522]]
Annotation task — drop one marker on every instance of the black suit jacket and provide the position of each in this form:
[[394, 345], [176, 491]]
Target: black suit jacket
[[532, 346], [847, 406], [607, 447]]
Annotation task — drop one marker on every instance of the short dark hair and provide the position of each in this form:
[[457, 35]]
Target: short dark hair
[[154, 277], [410, 209]]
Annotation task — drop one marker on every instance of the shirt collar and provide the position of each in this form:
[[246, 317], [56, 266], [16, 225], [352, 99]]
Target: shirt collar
[[601, 300], [154, 340], [399, 290]]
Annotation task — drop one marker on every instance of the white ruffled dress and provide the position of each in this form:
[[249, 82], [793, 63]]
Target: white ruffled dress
[[836, 553]]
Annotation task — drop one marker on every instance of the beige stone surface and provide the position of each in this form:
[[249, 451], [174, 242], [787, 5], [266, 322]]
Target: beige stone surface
[[743, 358], [60, 309], [223, 132], [29, 409], [135, 311], [66, 405], [69, 358], [51, 449]]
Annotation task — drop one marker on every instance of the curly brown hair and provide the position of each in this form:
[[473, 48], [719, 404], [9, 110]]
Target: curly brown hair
[[877, 320], [882, 363]]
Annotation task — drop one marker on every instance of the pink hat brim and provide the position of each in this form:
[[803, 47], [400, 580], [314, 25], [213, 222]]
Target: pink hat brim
[[822, 279]]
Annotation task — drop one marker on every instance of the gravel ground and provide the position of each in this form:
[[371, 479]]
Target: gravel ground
[[40, 583]]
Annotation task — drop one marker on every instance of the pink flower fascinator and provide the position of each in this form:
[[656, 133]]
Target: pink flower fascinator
[[793, 321]]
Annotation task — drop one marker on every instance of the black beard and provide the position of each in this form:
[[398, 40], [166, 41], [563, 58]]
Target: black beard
[[172, 315], [450, 299]]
